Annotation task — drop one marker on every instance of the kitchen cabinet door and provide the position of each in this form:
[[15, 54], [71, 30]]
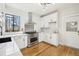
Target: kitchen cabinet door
[[2, 49], [25, 41], [9, 48], [41, 36], [47, 37], [12, 48], [54, 39], [51, 38], [20, 41]]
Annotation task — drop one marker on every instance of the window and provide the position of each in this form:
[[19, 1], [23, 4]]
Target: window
[[12, 23]]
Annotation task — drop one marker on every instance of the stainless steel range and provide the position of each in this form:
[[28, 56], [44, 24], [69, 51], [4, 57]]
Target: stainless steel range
[[29, 30], [32, 38]]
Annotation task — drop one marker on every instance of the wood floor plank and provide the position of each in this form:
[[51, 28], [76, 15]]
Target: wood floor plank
[[35, 49], [44, 49], [51, 51]]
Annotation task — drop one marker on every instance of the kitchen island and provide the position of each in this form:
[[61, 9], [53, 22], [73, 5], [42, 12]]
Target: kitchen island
[[9, 44]]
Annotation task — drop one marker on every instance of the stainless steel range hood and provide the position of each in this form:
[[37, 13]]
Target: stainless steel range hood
[[30, 17], [29, 27]]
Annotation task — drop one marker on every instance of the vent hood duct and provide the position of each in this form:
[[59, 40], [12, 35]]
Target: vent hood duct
[[30, 18], [29, 27]]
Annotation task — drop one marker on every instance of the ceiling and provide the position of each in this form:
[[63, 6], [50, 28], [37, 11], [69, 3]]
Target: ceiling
[[37, 8]]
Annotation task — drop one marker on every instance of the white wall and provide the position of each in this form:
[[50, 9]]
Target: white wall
[[40, 22], [63, 13], [14, 11], [24, 16], [63, 36]]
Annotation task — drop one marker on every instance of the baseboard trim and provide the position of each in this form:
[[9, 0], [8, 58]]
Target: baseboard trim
[[60, 45], [68, 46]]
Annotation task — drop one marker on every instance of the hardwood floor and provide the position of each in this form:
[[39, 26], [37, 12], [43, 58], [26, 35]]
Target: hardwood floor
[[44, 49]]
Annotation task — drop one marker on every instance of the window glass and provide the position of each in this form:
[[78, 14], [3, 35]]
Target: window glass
[[12, 23]]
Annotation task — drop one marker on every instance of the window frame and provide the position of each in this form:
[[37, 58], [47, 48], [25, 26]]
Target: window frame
[[13, 26]]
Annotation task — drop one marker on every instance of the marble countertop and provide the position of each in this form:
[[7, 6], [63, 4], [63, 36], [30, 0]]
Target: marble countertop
[[11, 35]]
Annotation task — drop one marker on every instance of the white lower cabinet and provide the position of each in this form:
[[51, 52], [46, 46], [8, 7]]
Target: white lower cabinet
[[21, 41], [2, 49], [41, 37], [54, 39], [11, 48], [50, 38], [47, 37], [25, 40]]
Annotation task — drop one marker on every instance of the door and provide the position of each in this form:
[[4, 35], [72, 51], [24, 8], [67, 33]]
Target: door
[[71, 25]]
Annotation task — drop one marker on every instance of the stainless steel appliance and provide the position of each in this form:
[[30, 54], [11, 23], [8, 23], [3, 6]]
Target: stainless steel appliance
[[32, 38], [29, 30]]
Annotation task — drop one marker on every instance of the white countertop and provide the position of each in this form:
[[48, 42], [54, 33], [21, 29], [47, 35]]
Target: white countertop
[[11, 35]]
